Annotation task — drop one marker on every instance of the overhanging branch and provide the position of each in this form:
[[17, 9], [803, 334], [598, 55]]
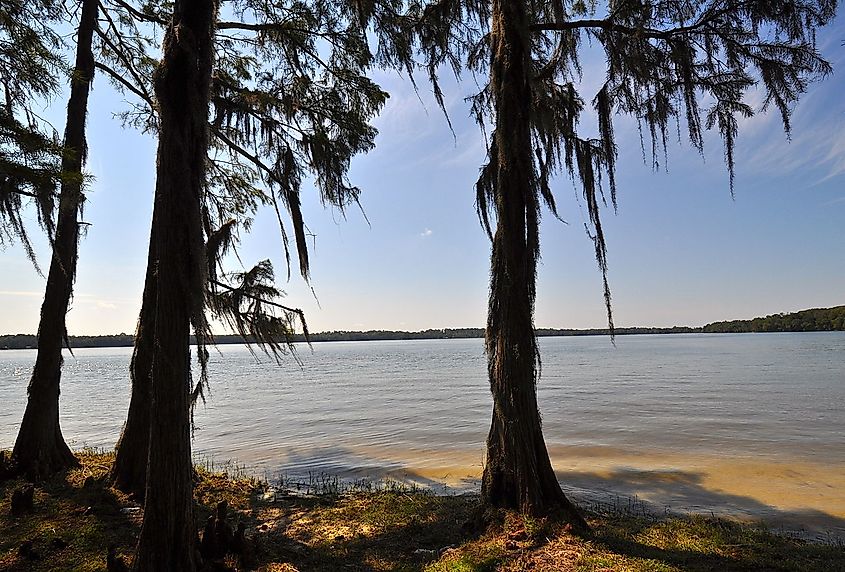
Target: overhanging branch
[[609, 25], [24, 193], [228, 288], [138, 14]]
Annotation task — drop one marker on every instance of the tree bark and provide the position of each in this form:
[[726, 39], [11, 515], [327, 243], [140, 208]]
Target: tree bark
[[40, 448], [518, 473], [182, 83], [129, 471]]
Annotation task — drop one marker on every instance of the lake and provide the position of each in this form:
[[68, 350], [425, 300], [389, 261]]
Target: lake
[[749, 425]]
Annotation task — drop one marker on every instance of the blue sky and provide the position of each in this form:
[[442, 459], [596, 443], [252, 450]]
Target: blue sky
[[681, 250]]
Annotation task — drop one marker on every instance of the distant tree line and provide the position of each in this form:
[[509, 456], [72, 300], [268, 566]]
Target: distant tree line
[[813, 320], [28, 341]]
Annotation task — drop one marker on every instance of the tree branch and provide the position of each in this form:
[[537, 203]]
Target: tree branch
[[137, 13], [121, 51], [262, 27], [277, 27], [122, 81], [228, 288], [254, 159], [609, 25], [24, 193]]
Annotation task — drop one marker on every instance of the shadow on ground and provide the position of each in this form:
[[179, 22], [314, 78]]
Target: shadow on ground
[[75, 518], [387, 530], [391, 527]]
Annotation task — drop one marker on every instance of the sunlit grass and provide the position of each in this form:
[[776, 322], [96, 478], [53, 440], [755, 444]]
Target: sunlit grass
[[387, 526]]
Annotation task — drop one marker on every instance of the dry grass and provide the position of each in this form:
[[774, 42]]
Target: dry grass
[[390, 529]]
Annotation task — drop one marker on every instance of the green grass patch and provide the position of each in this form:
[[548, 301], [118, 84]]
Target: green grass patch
[[386, 526]]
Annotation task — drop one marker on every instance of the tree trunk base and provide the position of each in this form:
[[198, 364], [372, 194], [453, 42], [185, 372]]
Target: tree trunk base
[[556, 507], [129, 471], [129, 480], [37, 459], [519, 476]]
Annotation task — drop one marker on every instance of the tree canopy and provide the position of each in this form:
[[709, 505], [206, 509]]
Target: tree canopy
[[31, 71], [685, 64]]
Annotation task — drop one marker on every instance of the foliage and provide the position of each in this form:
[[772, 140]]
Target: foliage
[[30, 151], [813, 320], [667, 61], [290, 103], [23, 341]]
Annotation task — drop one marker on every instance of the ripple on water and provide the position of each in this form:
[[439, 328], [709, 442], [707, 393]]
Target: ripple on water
[[752, 422]]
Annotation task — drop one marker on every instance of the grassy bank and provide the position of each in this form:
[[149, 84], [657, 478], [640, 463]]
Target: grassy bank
[[77, 516]]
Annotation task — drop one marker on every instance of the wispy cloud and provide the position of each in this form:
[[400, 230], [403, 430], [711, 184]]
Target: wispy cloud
[[426, 233], [21, 293], [818, 140], [821, 150], [97, 299]]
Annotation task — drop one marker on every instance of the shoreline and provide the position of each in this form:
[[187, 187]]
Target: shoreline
[[76, 515], [799, 498], [30, 341], [783, 495], [652, 489]]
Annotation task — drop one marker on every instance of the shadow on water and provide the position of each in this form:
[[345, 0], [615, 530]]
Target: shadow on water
[[624, 489], [683, 492], [398, 531], [340, 467]]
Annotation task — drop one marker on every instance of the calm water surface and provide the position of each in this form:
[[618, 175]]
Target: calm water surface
[[747, 424]]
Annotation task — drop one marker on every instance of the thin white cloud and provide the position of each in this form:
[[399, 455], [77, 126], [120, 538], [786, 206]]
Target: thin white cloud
[[21, 293], [818, 144], [472, 155], [426, 233], [106, 305], [95, 298]]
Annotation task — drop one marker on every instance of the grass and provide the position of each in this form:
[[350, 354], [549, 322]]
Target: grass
[[375, 527]]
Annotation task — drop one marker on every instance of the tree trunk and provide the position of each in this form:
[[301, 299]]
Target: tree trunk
[[40, 449], [129, 472], [518, 473], [182, 83]]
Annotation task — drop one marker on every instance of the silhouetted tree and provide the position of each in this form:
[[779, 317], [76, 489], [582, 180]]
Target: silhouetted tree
[[283, 109], [40, 448], [287, 109], [664, 60], [182, 84]]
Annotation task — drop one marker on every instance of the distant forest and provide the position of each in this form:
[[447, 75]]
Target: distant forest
[[814, 320]]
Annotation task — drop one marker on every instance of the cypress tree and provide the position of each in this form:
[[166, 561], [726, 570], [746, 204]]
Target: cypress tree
[[40, 448], [664, 60], [282, 111], [182, 88]]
